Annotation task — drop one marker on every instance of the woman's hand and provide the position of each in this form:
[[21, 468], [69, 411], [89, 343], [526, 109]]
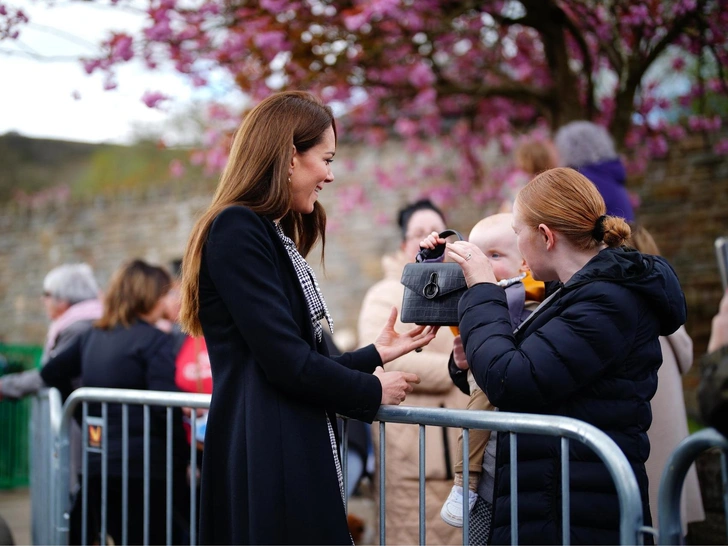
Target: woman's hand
[[392, 344], [458, 354], [476, 267], [395, 385], [719, 330]]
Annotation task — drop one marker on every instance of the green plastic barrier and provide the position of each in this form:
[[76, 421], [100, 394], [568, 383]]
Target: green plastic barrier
[[14, 418]]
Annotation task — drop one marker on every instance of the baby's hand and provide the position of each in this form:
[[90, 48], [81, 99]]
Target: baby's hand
[[458, 354], [432, 240]]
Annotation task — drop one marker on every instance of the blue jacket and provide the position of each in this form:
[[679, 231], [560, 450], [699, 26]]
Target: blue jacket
[[590, 352]]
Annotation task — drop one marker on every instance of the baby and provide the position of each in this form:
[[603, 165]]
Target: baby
[[495, 237]]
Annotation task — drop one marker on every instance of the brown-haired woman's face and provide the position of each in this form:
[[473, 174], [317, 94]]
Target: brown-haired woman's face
[[311, 171]]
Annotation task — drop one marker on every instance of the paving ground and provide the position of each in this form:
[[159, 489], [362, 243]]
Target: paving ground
[[15, 510]]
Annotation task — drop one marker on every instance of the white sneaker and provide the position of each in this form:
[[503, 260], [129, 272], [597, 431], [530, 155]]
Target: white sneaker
[[452, 510]]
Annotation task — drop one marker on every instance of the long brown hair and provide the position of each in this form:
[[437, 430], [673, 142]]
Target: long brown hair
[[256, 176], [134, 290], [567, 202]]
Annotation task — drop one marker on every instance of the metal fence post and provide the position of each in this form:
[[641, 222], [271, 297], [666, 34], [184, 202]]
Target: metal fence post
[[673, 476]]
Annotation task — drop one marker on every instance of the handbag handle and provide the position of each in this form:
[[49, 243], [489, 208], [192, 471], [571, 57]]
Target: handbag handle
[[439, 250]]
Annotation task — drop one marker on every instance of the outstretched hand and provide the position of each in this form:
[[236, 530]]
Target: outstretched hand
[[395, 385], [719, 330], [390, 344]]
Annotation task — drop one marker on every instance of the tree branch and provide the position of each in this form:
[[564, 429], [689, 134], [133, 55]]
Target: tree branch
[[540, 97], [669, 37], [588, 64]]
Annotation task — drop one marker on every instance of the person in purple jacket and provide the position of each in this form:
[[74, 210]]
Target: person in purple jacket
[[588, 148]]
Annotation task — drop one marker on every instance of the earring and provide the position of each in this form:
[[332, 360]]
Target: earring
[[289, 179]]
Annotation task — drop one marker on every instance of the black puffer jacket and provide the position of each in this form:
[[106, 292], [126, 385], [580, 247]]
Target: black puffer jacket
[[591, 352]]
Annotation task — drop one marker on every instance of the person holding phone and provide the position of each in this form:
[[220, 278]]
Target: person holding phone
[[713, 389]]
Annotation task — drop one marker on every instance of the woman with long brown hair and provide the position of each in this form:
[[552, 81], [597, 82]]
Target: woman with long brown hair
[[590, 351], [271, 473], [124, 350]]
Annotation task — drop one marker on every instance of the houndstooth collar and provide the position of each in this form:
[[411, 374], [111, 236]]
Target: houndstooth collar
[[316, 305]]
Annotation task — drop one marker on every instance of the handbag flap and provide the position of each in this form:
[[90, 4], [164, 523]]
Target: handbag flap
[[433, 280]]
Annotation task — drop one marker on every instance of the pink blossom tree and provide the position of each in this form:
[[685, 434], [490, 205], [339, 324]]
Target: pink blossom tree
[[464, 73]]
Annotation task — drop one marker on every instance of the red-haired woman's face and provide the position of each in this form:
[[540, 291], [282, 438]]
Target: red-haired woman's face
[[531, 246]]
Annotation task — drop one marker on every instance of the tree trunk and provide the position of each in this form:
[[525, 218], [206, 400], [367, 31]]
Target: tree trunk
[[548, 19]]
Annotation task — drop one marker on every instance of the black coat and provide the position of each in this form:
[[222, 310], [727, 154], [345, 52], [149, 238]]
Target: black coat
[[137, 357], [591, 353], [268, 468]]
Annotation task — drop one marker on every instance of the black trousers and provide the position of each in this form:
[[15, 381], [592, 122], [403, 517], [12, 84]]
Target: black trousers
[[135, 518]]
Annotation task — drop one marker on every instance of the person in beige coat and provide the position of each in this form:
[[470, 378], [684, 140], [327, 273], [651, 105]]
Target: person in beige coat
[[435, 390], [669, 419]]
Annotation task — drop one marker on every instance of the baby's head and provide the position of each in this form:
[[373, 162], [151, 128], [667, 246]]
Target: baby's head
[[495, 237]]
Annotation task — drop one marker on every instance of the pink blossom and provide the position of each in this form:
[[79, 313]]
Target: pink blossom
[[405, 127], [678, 64], [273, 40], [274, 6], [676, 132], [658, 146], [153, 98], [421, 75], [160, 31], [354, 21], [176, 168], [721, 147]]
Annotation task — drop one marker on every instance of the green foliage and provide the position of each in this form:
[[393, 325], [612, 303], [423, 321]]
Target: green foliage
[[112, 169], [32, 167]]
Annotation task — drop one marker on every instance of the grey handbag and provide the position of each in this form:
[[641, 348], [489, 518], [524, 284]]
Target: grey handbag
[[432, 291]]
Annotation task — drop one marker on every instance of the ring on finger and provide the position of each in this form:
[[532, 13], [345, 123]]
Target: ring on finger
[[468, 256]]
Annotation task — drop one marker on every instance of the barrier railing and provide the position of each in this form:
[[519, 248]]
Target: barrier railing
[[46, 410], [630, 503], [125, 398], [673, 478], [565, 428]]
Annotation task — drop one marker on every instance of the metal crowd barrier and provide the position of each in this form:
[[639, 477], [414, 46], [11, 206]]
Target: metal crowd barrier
[[630, 503], [125, 398], [45, 421], [565, 428], [673, 477]]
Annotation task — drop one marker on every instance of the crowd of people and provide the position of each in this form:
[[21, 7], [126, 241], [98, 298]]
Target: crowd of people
[[569, 311]]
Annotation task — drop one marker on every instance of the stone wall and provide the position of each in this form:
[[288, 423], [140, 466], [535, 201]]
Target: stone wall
[[155, 225], [685, 206]]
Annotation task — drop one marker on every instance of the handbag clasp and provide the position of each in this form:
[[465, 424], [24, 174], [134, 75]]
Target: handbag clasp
[[431, 290]]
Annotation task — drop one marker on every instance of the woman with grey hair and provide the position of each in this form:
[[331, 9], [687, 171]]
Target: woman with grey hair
[[588, 148], [70, 298]]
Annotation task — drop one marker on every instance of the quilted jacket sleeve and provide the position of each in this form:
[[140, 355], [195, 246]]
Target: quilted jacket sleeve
[[551, 363]]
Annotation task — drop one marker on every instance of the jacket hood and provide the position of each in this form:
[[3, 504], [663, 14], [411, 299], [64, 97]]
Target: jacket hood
[[650, 276], [612, 169]]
